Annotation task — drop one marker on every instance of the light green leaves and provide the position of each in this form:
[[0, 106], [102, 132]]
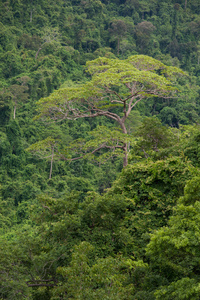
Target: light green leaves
[[115, 88], [44, 148], [102, 144], [112, 80]]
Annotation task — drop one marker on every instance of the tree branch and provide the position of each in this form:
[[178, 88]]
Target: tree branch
[[94, 151], [44, 282], [41, 284]]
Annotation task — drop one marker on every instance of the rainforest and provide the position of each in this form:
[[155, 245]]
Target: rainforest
[[100, 149]]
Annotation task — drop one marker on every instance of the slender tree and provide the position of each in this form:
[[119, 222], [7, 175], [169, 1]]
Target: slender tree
[[118, 30], [19, 92], [45, 149]]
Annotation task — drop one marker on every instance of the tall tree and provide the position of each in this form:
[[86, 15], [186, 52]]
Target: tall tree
[[45, 149], [114, 90], [118, 30], [143, 32], [19, 92]]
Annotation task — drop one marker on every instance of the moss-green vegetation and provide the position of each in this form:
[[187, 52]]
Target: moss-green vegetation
[[102, 81]]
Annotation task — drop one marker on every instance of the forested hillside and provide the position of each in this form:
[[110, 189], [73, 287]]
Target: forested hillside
[[99, 149]]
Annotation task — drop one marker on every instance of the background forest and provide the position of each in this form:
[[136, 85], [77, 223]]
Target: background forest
[[89, 228]]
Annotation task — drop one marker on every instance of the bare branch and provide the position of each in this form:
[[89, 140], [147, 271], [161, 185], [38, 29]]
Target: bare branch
[[102, 146], [41, 280], [115, 93], [41, 284], [137, 102]]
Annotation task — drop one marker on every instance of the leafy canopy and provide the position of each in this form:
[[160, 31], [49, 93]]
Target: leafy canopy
[[116, 86], [113, 83]]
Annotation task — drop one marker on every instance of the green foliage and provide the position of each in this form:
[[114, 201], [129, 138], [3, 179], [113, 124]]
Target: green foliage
[[191, 148], [13, 285], [5, 106], [114, 90], [59, 238], [152, 137], [153, 189], [107, 75], [175, 248], [191, 192], [98, 140], [106, 278], [185, 288]]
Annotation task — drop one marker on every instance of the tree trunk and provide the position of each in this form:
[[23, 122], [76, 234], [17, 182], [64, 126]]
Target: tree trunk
[[31, 15], [125, 148], [185, 4], [118, 46], [52, 155], [38, 52], [15, 107], [125, 160]]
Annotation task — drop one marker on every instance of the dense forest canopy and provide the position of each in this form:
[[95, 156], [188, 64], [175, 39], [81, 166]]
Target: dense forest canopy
[[99, 149]]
